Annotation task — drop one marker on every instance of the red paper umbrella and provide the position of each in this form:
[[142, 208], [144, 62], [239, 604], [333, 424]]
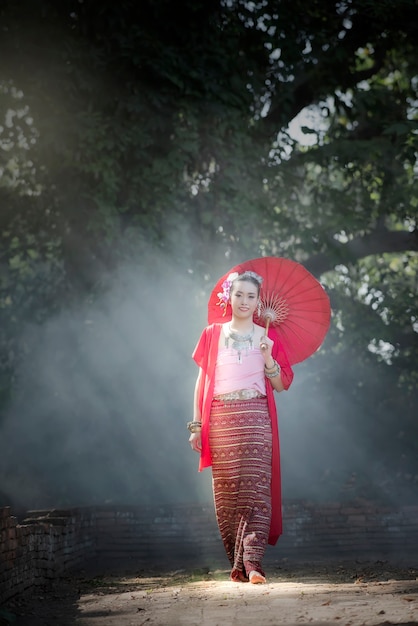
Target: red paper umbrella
[[292, 301]]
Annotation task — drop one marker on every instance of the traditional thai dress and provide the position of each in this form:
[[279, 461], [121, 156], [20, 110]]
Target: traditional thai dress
[[240, 441]]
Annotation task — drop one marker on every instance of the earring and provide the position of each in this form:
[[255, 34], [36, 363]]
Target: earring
[[259, 308]]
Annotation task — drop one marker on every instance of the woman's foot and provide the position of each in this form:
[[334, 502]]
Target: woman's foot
[[256, 578], [238, 577]]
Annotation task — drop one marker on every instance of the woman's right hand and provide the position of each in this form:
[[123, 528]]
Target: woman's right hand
[[195, 441]]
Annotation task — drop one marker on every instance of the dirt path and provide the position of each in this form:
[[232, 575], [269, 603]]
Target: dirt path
[[343, 595]]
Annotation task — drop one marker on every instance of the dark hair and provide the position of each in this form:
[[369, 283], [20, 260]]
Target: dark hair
[[250, 278]]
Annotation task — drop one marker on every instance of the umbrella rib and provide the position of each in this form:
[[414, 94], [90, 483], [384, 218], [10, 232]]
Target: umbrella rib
[[294, 300]]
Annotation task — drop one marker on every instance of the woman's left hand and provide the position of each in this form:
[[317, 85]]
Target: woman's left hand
[[266, 345]]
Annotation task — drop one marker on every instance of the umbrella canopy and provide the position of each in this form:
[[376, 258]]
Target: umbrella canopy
[[292, 301]]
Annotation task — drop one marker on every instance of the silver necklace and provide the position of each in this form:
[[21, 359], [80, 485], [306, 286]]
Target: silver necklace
[[239, 342]]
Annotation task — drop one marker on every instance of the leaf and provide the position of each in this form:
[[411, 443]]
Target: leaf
[[15, 262], [33, 254]]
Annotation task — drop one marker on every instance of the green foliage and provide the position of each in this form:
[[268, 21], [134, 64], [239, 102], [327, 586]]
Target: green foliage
[[117, 128]]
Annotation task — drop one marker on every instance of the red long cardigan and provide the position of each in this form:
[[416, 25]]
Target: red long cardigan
[[205, 355]]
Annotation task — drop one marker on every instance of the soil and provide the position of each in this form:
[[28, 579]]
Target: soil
[[344, 594]]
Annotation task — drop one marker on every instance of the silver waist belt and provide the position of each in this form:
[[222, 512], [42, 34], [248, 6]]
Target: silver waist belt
[[241, 394]]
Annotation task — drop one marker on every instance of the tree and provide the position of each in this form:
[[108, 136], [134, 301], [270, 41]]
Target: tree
[[122, 133]]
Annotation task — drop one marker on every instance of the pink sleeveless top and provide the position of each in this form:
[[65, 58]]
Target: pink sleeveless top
[[230, 375]]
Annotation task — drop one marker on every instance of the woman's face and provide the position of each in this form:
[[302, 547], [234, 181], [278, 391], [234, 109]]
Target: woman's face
[[244, 298]]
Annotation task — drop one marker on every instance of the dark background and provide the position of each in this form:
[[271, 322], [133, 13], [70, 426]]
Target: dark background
[[145, 148]]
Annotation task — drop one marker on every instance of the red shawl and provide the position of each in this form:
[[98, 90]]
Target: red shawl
[[205, 355]]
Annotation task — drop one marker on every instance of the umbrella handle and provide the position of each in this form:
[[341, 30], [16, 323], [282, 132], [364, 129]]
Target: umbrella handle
[[264, 346]]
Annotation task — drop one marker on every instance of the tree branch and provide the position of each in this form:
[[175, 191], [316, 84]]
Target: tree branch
[[379, 241]]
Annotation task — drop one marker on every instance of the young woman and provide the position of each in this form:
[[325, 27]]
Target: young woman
[[235, 427]]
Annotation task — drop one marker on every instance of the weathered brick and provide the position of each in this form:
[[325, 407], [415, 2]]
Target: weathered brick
[[50, 542]]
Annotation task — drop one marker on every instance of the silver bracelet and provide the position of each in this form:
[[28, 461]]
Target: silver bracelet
[[194, 427], [275, 370], [273, 374], [275, 364]]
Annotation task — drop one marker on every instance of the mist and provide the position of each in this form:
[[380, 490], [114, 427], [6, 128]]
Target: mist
[[104, 396], [106, 389]]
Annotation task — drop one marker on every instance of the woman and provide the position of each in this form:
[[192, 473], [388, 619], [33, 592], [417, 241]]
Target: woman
[[235, 426]]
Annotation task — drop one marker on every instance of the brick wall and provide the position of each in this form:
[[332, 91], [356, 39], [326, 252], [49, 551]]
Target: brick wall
[[47, 544], [358, 530], [43, 546]]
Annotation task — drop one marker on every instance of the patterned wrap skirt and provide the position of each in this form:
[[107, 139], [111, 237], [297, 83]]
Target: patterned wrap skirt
[[241, 447]]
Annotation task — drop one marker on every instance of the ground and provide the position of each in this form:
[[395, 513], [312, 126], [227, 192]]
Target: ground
[[344, 594]]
